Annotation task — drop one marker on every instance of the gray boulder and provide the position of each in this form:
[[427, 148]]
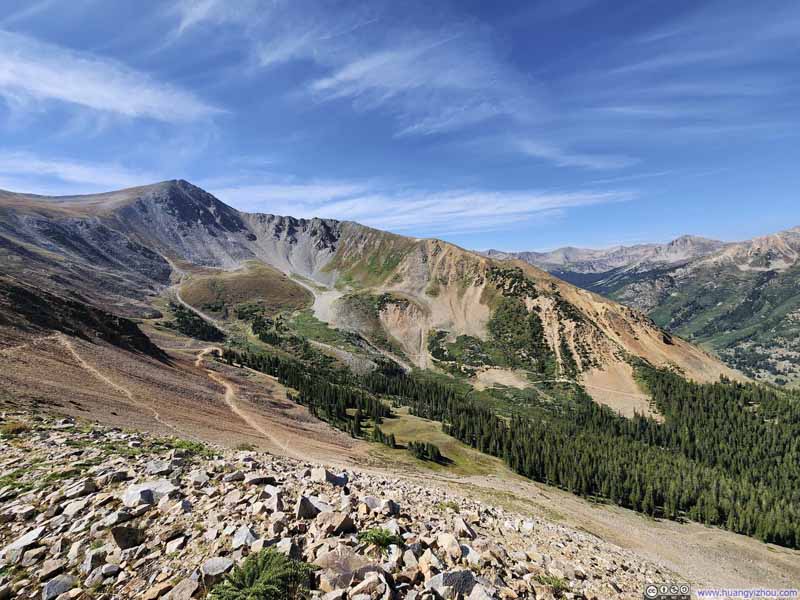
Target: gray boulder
[[57, 586], [214, 569]]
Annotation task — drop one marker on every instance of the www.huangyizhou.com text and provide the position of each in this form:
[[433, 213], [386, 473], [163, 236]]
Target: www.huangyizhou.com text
[[725, 593]]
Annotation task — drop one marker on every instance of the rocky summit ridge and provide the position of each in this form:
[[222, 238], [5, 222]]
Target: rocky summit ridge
[[94, 512]]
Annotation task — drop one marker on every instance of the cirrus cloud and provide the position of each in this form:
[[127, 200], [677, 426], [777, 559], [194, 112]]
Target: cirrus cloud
[[42, 71]]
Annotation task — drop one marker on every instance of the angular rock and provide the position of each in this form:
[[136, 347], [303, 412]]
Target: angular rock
[[463, 530], [147, 493], [234, 476], [157, 591], [244, 536], [390, 507], [57, 586], [448, 543], [198, 478], [185, 589], [51, 568], [93, 560], [461, 582], [158, 467], [259, 479], [22, 543], [127, 537], [334, 523], [322, 475], [214, 569], [305, 509], [82, 488], [175, 545]]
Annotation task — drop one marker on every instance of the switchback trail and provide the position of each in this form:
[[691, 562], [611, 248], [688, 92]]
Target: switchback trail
[[70, 347]]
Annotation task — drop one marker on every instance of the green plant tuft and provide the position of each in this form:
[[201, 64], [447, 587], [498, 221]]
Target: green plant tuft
[[558, 584], [268, 575], [382, 538]]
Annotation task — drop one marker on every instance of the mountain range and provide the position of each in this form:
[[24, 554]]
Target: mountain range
[[419, 301], [160, 308], [738, 299]]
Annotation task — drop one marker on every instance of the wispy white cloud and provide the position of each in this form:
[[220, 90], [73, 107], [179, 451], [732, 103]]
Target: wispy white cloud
[[286, 197], [28, 11], [433, 82], [192, 13], [412, 210], [33, 173], [33, 69], [564, 158]]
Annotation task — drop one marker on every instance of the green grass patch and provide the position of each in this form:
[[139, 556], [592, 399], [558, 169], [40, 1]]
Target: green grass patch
[[190, 447], [406, 428], [305, 324]]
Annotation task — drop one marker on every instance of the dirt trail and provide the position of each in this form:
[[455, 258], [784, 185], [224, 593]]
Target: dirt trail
[[39, 340], [70, 347], [196, 311], [176, 288], [230, 400]]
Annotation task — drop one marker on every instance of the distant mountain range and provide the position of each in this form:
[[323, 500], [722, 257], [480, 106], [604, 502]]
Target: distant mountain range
[[740, 299]]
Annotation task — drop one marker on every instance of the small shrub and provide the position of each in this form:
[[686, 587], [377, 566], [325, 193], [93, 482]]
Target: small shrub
[[245, 447], [12, 428], [268, 575], [382, 538], [448, 505], [557, 583]]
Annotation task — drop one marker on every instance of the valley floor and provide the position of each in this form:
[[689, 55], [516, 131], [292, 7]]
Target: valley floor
[[195, 397]]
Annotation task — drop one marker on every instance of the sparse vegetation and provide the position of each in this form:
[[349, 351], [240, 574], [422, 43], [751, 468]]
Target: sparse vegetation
[[13, 428], [268, 575], [381, 538], [558, 584], [450, 505], [255, 287], [190, 447]]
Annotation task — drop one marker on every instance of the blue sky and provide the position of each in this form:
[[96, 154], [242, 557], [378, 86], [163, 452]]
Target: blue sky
[[525, 125]]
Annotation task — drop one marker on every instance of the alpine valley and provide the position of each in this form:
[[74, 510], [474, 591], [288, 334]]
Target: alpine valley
[[566, 385]]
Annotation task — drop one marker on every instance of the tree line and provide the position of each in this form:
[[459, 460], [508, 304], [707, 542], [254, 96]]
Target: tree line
[[340, 403], [725, 454]]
